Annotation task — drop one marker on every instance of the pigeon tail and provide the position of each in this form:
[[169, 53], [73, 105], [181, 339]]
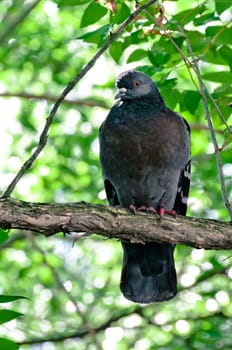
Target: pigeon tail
[[148, 272]]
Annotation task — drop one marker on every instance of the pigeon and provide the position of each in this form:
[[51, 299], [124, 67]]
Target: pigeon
[[145, 159]]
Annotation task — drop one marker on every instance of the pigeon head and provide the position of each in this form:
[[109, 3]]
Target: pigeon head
[[133, 84]]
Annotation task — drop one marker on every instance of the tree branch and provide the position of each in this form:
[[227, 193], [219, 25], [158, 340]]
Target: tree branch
[[204, 92], [62, 287], [68, 88], [18, 20], [114, 222], [72, 102]]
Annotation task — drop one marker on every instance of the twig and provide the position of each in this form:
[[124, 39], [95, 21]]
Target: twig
[[196, 126], [184, 57], [14, 23], [55, 274], [68, 88], [204, 92], [218, 111], [13, 238], [84, 102], [212, 41]]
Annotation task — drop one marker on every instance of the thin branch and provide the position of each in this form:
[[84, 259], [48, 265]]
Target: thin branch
[[13, 238], [196, 126], [68, 88], [84, 102], [136, 309], [112, 222], [218, 110], [204, 92], [189, 65], [88, 103], [89, 329], [214, 38], [84, 332], [18, 20]]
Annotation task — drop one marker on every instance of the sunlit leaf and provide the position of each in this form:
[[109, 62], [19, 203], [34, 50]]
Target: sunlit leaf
[[116, 50], [220, 76], [121, 14], [222, 5], [223, 34], [137, 55], [8, 315], [92, 14], [96, 36]]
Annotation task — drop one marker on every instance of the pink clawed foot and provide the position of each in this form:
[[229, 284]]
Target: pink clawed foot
[[151, 210], [163, 211], [132, 207], [142, 208]]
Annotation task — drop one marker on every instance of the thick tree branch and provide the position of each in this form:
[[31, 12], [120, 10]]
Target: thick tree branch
[[113, 222]]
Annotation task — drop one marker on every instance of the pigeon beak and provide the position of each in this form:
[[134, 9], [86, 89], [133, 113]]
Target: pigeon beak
[[121, 93]]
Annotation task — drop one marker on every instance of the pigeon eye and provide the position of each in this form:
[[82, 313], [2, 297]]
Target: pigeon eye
[[137, 83]]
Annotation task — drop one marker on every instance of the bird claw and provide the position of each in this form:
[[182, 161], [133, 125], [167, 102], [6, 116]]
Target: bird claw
[[161, 211], [151, 210], [142, 208], [132, 208]]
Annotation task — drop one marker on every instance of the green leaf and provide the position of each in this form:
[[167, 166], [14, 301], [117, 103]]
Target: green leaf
[[116, 49], [222, 34], [187, 16], [97, 36], [213, 55], [219, 77], [92, 14], [137, 55], [3, 235], [8, 344], [197, 40], [204, 19], [191, 100], [226, 54], [121, 14], [227, 139], [8, 315], [222, 5], [9, 298], [158, 57]]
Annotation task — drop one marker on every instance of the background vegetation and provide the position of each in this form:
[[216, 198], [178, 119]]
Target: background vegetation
[[74, 301]]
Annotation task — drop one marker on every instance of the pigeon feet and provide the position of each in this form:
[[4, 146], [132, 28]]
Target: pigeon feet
[[161, 211]]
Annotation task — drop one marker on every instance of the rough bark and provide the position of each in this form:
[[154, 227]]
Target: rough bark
[[114, 222]]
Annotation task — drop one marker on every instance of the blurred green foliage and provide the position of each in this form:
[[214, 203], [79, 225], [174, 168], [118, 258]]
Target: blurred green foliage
[[39, 55]]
